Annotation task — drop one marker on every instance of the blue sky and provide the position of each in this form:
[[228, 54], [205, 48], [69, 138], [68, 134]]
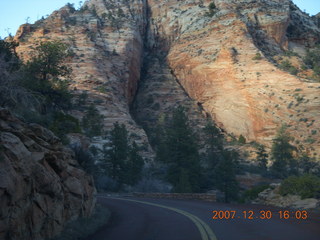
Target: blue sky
[[13, 13]]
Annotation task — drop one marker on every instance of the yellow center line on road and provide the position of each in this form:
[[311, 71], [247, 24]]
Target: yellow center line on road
[[205, 231]]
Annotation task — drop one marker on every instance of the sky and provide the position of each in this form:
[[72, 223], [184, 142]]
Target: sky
[[13, 13]]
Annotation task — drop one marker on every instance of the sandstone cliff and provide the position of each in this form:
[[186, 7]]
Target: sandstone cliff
[[41, 185], [214, 60], [206, 61]]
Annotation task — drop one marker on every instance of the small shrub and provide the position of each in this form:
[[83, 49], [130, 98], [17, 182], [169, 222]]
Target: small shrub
[[257, 56], [212, 10], [306, 186], [253, 193], [310, 140], [287, 66], [242, 139]]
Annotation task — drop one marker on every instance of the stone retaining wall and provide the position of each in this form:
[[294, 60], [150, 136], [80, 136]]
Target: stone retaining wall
[[193, 196]]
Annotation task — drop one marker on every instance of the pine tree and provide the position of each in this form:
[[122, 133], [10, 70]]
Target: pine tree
[[122, 161], [47, 74], [213, 137], [116, 153], [225, 175], [282, 154], [182, 155], [134, 165], [214, 147], [92, 122], [262, 157]]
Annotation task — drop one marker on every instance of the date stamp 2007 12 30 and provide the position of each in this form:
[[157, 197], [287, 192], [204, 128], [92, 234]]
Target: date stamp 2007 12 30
[[261, 214]]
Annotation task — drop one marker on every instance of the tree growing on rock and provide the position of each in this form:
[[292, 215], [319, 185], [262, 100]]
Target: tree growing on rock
[[47, 74]]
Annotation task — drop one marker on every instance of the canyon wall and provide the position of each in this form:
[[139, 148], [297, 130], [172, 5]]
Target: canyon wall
[[214, 59], [222, 63]]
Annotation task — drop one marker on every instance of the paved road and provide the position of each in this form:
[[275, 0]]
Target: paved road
[[166, 219]]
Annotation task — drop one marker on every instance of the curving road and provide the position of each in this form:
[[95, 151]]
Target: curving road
[[167, 219]]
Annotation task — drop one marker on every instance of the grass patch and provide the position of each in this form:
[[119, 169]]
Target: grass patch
[[84, 227]]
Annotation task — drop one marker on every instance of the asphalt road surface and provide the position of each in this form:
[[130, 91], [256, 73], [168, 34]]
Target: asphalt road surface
[[166, 219]]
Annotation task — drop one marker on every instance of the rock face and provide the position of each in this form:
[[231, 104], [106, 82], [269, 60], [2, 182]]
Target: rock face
[[41, 185], [225, 66], [107, 40], [214, 60]]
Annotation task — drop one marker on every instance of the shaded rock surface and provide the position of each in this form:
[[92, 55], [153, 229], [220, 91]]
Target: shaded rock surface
[[41, 184]]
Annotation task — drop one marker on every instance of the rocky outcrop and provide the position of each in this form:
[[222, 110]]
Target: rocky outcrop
[[271, 196], [41, 184]]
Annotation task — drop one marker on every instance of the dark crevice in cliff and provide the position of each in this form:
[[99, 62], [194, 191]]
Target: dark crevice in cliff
[[159, 91]]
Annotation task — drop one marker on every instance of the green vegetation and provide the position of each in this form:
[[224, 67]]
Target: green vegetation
[[92, 122], [253, 193], [46, 74], [287, 66], [282, 154], [306, 186], [178, 149], [225, 175], [64, 123], [262, 157], [221, 165], [11, 92], [312, 60], [242, 139], [257, 56], [212, 10], [122, 162], [37, 91]]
